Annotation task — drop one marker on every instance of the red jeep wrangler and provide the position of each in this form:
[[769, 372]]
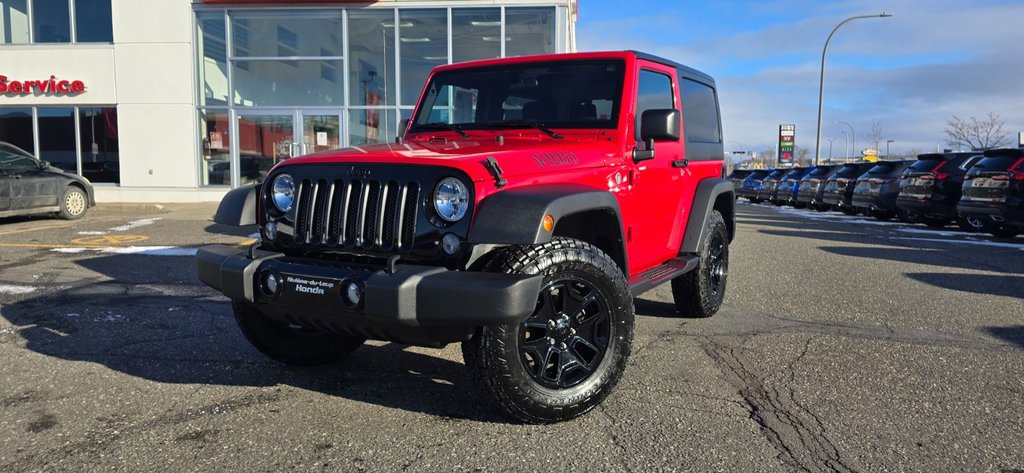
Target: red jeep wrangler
[[526, 204]]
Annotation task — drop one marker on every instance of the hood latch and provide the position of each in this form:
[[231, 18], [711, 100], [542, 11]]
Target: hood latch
[[492, 165]]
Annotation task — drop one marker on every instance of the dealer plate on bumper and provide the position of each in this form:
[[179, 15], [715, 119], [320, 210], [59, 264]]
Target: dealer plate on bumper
[[310, 290]]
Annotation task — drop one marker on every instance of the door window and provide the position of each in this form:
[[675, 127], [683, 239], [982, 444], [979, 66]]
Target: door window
[[654, 92], [12, 162]]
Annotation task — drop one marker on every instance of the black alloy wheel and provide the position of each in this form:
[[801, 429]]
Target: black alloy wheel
[[718, 265], [566, 338]]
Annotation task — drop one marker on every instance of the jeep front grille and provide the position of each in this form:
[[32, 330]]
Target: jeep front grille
[[369, 215]]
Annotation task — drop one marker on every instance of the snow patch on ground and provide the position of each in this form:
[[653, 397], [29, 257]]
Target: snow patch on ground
[[134, 250], [11, 289], [925, 231], [92, 233], [134, 224]]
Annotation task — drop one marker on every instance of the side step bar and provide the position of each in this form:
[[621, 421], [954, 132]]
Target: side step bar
[[657, 276]]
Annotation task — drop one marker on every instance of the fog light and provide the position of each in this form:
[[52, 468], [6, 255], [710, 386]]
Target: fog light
[[271, 283], [352, 294], [450, 244], [270, 231]]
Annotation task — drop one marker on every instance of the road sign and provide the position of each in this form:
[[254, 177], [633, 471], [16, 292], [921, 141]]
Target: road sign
[[109, 240]]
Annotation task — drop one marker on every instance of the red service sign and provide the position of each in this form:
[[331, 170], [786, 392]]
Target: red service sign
[[51, 86]]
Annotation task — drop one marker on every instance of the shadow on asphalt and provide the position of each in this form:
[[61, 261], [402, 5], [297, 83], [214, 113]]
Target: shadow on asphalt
[[231, 230], [1006, 286], [659, 309], [1013, 334], [156, 323]]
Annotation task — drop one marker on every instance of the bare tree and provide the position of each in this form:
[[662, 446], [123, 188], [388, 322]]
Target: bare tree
[[875, 136], [974, 134], [767, 156], [803, 156]]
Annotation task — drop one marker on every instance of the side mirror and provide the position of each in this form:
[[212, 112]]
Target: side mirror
[[402, 126], [44, 165], [660, 125]]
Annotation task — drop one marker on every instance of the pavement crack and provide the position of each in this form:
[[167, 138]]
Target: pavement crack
[[623, 451]]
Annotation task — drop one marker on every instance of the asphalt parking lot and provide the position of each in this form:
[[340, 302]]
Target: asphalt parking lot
[[844, 344]]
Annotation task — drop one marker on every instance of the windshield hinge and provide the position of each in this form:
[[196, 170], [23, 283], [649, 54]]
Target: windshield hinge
[[492, 165]]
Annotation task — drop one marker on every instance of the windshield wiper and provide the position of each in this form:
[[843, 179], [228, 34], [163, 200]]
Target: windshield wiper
[[445, 126], [525, 124]]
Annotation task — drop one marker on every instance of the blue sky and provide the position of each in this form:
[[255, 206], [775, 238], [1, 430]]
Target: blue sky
[[933, 59]]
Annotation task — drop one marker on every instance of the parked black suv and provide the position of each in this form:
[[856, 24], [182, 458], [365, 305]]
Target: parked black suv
[[770, 184], [812, 187], [994, 191], [931, 187], [876, 191], [838, 192], [29, 186]]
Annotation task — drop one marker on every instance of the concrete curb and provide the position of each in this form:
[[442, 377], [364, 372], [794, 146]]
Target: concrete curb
[[122, 207]]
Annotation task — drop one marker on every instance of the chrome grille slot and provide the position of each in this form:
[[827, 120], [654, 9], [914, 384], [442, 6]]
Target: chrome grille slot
[[367, 215]]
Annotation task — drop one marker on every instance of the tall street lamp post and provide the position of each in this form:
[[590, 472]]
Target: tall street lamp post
[[887, 147], [821, 80], [847, 148], [853, 137]]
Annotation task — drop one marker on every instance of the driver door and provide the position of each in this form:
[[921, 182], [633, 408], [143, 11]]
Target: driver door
[[29, 186]]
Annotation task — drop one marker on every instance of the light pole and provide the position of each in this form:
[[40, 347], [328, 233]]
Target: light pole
[[830, 148], [887, 147], [853, 136], [847, 148], [821, 80]]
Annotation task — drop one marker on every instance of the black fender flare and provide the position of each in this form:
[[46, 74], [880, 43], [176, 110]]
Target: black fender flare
[[238, 207], [711, 194], [515, 216]]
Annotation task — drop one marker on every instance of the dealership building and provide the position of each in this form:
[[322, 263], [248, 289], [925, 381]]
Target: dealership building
[[182, 100]]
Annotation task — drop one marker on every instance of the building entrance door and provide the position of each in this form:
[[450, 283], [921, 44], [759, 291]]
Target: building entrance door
[[266, 138]]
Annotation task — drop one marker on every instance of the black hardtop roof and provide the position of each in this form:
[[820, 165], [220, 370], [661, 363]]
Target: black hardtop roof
[[685, 71], [1012, 152], [947, 156]]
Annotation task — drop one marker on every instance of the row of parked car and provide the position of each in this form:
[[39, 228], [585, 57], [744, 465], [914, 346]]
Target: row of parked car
[[981, 192]]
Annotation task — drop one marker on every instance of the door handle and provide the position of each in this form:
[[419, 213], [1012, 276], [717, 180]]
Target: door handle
[[680, 163]]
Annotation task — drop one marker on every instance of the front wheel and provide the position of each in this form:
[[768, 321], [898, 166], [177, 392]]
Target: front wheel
[[292, 344], [699, 293], [565, 358], [73, 203]]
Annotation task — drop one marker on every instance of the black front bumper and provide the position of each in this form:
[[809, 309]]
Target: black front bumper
[[419, 305]]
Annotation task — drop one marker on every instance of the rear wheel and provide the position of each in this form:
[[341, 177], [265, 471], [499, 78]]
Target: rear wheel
[[907, 216], [823, 207], [565, 358], [292, 344], [699, 293], [73, 203], [848, 210], [935, 222], [970, 223], [999, 230]]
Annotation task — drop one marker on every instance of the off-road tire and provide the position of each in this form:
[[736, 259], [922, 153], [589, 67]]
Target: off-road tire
[[290, 344], [970, 224], [699, 293], [73, 203], [496, 357]]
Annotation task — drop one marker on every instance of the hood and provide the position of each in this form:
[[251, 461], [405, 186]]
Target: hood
[[517, 156]]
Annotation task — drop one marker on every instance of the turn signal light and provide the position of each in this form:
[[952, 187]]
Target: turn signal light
[[548, 223]]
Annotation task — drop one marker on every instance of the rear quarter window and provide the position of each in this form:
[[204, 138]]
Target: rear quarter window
[[925, 165], [700, 112]]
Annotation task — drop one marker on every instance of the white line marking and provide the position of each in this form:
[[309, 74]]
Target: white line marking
[[92, 233], [134, 250]]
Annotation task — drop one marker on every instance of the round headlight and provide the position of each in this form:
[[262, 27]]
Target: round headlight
[[283, 192], [451, 199]]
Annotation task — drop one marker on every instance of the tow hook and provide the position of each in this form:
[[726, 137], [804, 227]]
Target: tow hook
[[391, 265]]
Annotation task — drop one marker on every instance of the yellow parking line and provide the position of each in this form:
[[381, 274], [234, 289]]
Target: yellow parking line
[[38, 245]]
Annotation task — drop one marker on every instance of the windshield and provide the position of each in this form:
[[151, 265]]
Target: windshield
[[560, 94], [883, 168], [796, 173]]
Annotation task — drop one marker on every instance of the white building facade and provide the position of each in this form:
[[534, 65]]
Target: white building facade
[[181, 100]]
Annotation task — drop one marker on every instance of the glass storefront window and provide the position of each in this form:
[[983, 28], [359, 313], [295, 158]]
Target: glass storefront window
[[100, 155], [529, 31], [16, 128], [371, 126], [57, 137], [282, 33], [423, 38], [13, 21], [320, 133], [476, 34], [215, 133], [51, 21], [263, 141], [288, 83], [93, 21], [371, 49], [212, 50]]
